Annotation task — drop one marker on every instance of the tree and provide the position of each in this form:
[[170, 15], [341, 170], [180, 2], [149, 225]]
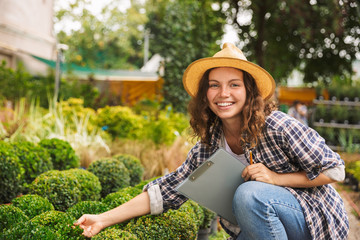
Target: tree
[[181, 32], [104, 41], [318, 37]]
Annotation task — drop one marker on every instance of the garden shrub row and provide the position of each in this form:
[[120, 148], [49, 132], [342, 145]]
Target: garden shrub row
[[22, 162], [33, 217]]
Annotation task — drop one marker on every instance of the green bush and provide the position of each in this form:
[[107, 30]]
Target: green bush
[[29, 230], [164, 226], [134, 166], [119, 121], [87, 207], [60, 187], [112, 173], [193, 210], [62, 154], [114, 234], [120, 197], [32, 205], [10, 216], [33, 159], [208, 217], [61, 223], [89, 184], [10, 174]]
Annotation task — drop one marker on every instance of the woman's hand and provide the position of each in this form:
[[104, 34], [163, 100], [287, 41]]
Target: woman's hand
[[259, 172], [91, 224]]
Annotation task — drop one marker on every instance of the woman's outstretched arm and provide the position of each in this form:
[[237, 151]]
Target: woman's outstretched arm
[[93, 224]]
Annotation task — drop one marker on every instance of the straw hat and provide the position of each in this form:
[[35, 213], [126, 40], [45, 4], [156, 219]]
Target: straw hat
[[229, 56]]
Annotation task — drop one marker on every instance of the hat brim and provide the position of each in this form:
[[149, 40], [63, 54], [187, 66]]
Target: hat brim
[[196, 70]]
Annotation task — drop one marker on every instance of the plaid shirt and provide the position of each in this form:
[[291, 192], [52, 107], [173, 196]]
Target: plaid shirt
[[285, 146]]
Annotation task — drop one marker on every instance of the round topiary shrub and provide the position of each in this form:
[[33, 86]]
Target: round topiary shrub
[[32, 205], [112, 173], [114, 234], [134, 166], [61, 223], [87, 207], [10, 173], [194, 211], [30, 230], [33, 159], [62, 154], [10, 216], [61, 188], [120, 197], [164, 226], [89, 184]]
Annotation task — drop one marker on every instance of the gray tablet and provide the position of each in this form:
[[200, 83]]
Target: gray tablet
[[214, 182]]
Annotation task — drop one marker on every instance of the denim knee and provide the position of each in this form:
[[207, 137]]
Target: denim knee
[[245, 196]]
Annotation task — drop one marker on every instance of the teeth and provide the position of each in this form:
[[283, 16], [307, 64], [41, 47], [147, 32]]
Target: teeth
[[224, 104]]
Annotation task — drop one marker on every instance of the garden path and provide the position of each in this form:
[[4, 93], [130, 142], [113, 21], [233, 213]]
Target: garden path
[[354, 233]]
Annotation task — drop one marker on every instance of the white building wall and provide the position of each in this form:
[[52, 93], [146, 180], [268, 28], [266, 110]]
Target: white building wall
[[26, 27]]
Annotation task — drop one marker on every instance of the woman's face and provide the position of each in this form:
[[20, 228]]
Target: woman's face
[[226, 93]]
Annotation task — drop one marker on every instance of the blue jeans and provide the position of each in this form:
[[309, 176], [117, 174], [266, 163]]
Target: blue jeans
[[265, 211]]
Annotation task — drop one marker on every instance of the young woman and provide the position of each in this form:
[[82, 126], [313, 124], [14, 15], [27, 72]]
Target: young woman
[[287, 194]]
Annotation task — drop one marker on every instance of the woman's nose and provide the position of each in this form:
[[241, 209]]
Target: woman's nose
[[224, 92]]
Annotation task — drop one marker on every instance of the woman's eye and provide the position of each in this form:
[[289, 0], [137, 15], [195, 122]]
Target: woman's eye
[[213, 85], [235, 85]]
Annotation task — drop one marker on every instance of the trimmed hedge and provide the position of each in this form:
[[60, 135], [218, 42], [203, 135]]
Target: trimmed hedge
[[11, 216], [87, 207], [164, 226], [134, 166], [32, 205], [120, 197], [112, 173], [10, 173], [66, 188], [90, 186], [29, 230], [61, 223], [33, 159], [114, 234], [61, 188], [62, 154]]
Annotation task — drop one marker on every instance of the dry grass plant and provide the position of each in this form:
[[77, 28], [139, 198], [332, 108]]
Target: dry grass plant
[[156, 159]]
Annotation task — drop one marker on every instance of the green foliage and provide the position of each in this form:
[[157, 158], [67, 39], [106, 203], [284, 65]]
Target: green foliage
[[208, 217], [108, 42], [10, 173], [89, 184], [119, 122], [61, 223], [61, 188], [29, 230], [114, 234], [134, 166], [112, 173], [62, 154], [164, 226], [320, 52], [182, 31], [195, 211], [120, 197], [33, 159], [10, 216], [32, 205], [87, 207]]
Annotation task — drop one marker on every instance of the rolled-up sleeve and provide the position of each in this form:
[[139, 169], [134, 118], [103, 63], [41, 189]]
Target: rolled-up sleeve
[[310, 149]]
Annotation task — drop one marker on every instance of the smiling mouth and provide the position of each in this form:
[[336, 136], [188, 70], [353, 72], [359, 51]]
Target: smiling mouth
[[224, 104]]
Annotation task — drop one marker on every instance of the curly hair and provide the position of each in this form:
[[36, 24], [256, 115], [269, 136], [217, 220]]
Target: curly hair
[[252, 115]]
